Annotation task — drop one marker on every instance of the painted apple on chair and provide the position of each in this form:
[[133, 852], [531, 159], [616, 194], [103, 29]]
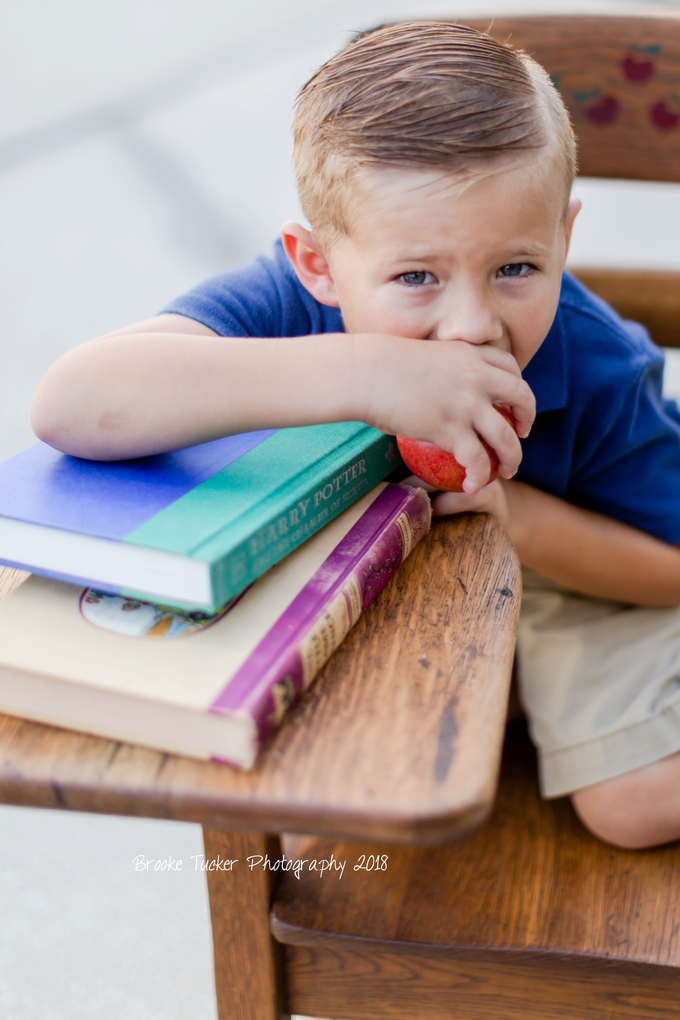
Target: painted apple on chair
[[637, 70], [663, 116], [438, 467], [604, 111]]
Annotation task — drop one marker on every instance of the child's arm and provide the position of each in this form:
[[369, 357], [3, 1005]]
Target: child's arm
[[171, 382], [584, 551]]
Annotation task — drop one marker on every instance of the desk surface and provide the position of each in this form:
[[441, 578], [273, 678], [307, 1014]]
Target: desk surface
[[399, 738]]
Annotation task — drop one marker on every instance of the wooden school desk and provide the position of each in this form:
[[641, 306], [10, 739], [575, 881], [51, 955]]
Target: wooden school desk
[[399, 740]]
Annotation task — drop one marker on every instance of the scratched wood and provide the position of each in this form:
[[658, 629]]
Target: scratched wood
[[530, 916], [620, 80], [10, 579], [399, 738]]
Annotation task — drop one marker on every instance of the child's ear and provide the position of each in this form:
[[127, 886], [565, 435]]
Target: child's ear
[[573, 210], [309, 262]]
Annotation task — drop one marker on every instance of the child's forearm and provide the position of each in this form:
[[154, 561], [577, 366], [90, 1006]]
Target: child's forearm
[[590, 553], [584, 551], [171, 383], [138, 394]]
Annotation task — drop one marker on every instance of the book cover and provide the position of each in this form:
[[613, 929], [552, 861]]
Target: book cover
[[190, 528], [181, 682]]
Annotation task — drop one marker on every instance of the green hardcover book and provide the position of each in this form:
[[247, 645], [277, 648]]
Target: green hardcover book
[[192, 528]]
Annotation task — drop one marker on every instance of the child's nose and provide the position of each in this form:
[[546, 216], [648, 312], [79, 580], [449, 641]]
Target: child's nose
[[472, 318]]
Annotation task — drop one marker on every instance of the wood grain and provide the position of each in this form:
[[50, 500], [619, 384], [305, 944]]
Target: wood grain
[[386, 983], [649, 297], [585, 57], [249, 968], [529, 916], [10, 579], [399, 738]]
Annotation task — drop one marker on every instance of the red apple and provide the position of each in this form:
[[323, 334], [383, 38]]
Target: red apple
[[438, 467], [603, 112], [663, 116], [637, 70]]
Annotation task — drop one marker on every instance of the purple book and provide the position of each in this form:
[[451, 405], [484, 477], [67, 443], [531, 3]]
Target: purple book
[[186, 682]]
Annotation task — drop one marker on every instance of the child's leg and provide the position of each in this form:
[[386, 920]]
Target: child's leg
[[600, 683], [638, 809]]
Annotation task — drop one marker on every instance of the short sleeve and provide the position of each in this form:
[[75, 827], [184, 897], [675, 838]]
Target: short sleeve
[[604, 437], [627, 447], [262, 299]]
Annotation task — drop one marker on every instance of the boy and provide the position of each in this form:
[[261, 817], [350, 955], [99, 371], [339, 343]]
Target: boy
[[435, 166]]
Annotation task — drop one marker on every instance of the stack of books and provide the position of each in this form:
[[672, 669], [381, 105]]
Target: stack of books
[[185, 601]]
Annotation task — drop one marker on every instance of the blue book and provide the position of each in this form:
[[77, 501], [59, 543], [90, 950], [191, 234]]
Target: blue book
[[192, 528]]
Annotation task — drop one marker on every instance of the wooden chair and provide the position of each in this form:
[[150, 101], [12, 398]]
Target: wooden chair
[[530, 916]]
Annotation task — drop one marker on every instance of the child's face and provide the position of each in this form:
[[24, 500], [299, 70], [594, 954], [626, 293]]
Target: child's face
[[439, 257]]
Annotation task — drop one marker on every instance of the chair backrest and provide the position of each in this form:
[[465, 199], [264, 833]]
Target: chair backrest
[[620, 80]]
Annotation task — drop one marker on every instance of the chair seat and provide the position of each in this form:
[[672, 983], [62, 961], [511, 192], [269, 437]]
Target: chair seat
[[529, 916]]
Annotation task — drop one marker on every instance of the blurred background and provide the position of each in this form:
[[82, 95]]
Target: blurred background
[[145, 145]]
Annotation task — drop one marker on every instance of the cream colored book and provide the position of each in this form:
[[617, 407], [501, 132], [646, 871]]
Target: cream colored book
[[184, 682]]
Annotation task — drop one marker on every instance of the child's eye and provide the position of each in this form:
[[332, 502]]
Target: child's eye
[[515, 269], [417, 279]]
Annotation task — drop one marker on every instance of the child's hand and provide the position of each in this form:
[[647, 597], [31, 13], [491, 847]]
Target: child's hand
[[443, 392], [492, 499]]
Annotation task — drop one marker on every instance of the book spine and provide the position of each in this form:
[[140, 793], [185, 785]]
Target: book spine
[[302, 640], [346, 476]]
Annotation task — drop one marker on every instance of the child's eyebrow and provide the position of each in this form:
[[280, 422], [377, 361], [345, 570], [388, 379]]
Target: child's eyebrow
[[531, 246], [529, 253], [511, 253], [427, 257]]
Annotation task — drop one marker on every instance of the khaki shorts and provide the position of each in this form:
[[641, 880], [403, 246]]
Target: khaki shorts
[[600, 683]]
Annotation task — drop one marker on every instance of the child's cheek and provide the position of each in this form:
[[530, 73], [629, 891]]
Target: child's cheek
[[530, 330]]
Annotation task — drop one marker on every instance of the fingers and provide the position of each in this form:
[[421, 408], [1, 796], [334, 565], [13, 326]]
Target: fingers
[[511, 391], [493, 428], [492, 499], [418, 483], [447, 503], [504, 385], [522, 409], [470, 454], [443, 393], [500, 359]]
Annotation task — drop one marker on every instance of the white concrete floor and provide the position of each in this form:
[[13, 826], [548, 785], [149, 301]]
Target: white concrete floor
[[143, 146]]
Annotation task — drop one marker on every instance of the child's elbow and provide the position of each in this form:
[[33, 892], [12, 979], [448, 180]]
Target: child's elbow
[[57, 416], [48, 421]]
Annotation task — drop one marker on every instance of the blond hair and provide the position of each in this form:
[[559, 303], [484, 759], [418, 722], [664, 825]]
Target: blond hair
[[424, 95]]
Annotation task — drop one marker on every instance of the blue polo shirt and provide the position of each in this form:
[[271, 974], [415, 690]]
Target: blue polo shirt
[[604, 437]]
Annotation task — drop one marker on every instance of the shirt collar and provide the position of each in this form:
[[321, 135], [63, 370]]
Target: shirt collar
[[548, 371]]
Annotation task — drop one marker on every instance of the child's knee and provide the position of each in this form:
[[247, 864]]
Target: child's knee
[[638, 809], [601, 810]]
